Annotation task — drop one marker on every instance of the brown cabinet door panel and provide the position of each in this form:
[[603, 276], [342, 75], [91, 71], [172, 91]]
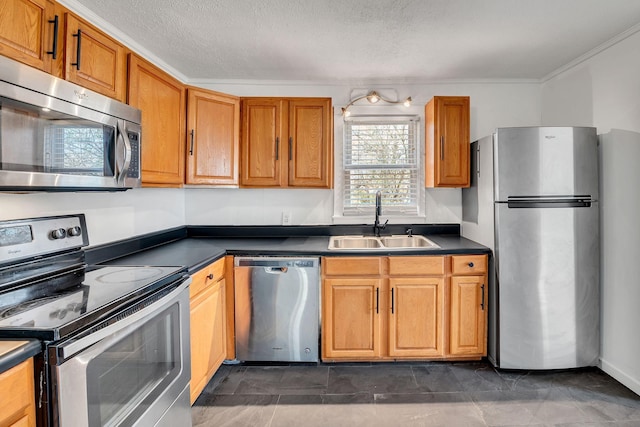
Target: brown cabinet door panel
[[415, 317], [163, 103], [310, 142], [447, 135], [263, 143], [100, 61], [351, 318], [213, 138], [468, 315], [25, 32]]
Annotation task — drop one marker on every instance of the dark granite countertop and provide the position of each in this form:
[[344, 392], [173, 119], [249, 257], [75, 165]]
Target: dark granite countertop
[[16, 351], [198, 247]]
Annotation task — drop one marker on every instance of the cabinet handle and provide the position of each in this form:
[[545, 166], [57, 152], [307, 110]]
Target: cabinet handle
[[441, 147], [290, 148], [470, 265], [277, 147], [392, 300], [78, 49], [482, 300], [193, 131], [210, 276], [377, 300], [54, 48]]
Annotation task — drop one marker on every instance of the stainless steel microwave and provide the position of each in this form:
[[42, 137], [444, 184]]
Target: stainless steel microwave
[[58, 136]]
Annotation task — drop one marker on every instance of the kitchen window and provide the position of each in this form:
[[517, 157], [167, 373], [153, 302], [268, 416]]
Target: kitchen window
[[381, 153]]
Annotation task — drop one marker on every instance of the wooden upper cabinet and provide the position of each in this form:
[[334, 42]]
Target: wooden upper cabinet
[[213, 126], [310, 147], [286, 142], [27, 31], [261, 143], [447, 141], [94, 60], [162, 100]]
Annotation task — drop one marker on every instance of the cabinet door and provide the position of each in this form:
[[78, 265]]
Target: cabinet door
[[26, 34], [447, 141], [17, 405], [468, 315], [162, 101], [310, 148], [214, 129], [351, 318], [415, 317], [208, 335], [93, 59], [263, 144]]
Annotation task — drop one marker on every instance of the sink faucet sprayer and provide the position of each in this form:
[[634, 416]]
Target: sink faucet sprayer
[[376, 225]]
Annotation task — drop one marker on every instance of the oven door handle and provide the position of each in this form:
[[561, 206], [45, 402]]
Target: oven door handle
[[67, 348]]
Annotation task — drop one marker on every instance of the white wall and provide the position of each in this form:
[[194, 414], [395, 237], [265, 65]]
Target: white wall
[[604, 91], [493, 104], [110, 216]]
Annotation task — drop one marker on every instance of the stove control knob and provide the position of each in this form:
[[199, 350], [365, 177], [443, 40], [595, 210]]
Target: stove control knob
[[74, 231], [60, 233]]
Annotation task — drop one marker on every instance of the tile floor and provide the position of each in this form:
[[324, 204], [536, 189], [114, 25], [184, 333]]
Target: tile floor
[[412, 394]]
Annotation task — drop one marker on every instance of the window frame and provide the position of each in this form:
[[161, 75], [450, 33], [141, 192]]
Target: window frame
[[366, 214]]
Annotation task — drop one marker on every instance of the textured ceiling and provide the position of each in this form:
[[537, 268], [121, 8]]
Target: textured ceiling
[[366, 40]]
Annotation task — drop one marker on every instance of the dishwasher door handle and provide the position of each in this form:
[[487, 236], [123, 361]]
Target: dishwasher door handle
[[276, 270]]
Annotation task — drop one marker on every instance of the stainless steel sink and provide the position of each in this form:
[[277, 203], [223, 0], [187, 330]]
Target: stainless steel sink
[[397, 242], [406, 242], [354, 242]]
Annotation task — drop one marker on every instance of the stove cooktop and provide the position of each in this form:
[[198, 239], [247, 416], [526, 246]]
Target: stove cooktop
[[62, 311]]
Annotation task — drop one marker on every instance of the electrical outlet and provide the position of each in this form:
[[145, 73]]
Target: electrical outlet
[[286, 218]]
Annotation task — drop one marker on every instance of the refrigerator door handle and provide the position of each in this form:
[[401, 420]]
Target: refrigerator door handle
[[550, 203]]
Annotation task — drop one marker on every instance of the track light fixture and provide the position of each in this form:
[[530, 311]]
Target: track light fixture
[[373, 97]]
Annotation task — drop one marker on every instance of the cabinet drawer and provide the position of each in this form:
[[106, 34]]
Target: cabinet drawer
[[416, 266], [205, 277], [469, 264], [352, 266]]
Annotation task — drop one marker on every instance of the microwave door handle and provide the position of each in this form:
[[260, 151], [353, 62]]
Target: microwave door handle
[[122, 135]]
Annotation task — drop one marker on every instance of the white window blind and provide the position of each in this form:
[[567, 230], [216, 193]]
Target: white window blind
[[381, 154]]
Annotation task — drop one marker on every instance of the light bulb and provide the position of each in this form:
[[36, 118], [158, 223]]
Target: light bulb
[[373, 97], [346, 112], [407, 102]]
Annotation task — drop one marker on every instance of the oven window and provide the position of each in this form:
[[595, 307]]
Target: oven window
[[124, 379]]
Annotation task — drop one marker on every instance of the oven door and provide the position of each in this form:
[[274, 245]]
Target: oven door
[[135, 371]]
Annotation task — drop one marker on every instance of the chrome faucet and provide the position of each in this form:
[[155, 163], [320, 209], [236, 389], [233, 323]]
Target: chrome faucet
[[376, 225]]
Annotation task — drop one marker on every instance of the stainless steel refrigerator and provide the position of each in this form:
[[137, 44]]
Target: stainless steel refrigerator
[[534, 200]]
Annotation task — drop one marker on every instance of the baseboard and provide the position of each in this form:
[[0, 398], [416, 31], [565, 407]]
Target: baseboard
[[632, 383]]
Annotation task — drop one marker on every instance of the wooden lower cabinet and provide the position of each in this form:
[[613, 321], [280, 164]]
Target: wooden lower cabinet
[[18, 404], [468, 316], [208, 325], [351, 320], [415, 319], [403, 307]]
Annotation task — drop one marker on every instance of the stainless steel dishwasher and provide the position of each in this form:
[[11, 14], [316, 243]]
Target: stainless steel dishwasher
[[277, 309]]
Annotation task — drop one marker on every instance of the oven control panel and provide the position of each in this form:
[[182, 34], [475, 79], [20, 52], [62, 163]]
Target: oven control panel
[[38, 236]]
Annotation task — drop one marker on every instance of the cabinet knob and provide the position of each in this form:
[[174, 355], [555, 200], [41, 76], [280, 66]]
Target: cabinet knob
[[210, 276], [470, 265]]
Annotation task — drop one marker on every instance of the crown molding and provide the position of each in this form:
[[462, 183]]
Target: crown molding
[[93, 18], [593, 52]]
